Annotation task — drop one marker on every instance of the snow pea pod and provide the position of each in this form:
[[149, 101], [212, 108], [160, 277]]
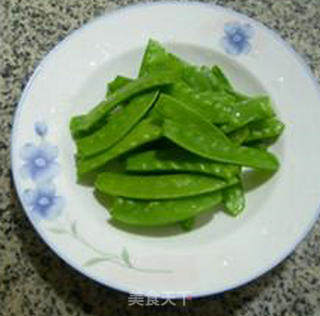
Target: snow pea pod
[[233, 199], [215, 107], [221, 77], [225, 83], [248, 111], [118, 125], [187, 224], [143, 133], [265, 129], [172, 109], [191, 132], [85, 124], [240, 135], [156, 59], [178, 160], [118, 83], [201, 141], [263, 144], [162, 212], [158, 186], [220, 107]]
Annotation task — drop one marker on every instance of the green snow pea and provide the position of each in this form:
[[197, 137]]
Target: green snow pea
[[178, 160], [263, 144], [265, 129], [200, 141], [200, 79], [225, 83], [162, 212], [219, 107], [240, 135], [221, 77], [172, 109], [85, 124], [118, 125], [215, 107], [156, 59], [187, 224], [158, 186], [234, 199], [249, 111], [143, 133], [118, 83], [191, 132]]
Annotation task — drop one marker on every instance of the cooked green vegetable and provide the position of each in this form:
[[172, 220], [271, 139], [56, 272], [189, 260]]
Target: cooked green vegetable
[[187, 224], [159, 186], [265, 129], [193, 133], [162, 212], [180, 130], [263, 144], [118, 125], [171, 108], [178, 160], [215, 107], [249, 111], [221, 78], [118, 83], [84, 124], [233, 199], [143, 133], [240, 135], [195, 139], [156, 59]]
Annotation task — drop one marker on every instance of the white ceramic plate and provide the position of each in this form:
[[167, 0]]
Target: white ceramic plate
[[222, 252]]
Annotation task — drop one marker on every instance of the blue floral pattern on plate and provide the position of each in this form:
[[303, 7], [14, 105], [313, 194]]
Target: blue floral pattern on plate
[[41, 128], [237, 37], [43, 201], [39, 161], [40, 165]]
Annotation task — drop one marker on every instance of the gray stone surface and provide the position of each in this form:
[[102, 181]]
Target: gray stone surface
[[34, 281]]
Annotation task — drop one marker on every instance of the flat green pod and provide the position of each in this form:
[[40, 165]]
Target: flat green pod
[[221, 107], [248, 111], [156, 59], [170, 108], [143, 133], [178, 160], [200, 141], [221, 78], [263, 144], [117, 83], [117, 126], [187, 224], [234, 199], [191, 132], [85, 124], [162, 212], [263, 129], [239, 136], [156, 187], [214, 107], [225, 83]]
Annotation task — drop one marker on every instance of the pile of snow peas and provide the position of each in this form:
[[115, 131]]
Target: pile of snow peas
[[180, 136]]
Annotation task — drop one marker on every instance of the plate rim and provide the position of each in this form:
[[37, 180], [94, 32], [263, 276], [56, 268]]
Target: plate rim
[[73, 264]]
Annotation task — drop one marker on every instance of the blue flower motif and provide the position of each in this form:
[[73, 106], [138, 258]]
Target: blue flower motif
[[41, 128], [39, 161], [43, 201], [236, 39]]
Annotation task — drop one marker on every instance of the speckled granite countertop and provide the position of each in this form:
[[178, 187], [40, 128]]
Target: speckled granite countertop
[[34, 281]]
